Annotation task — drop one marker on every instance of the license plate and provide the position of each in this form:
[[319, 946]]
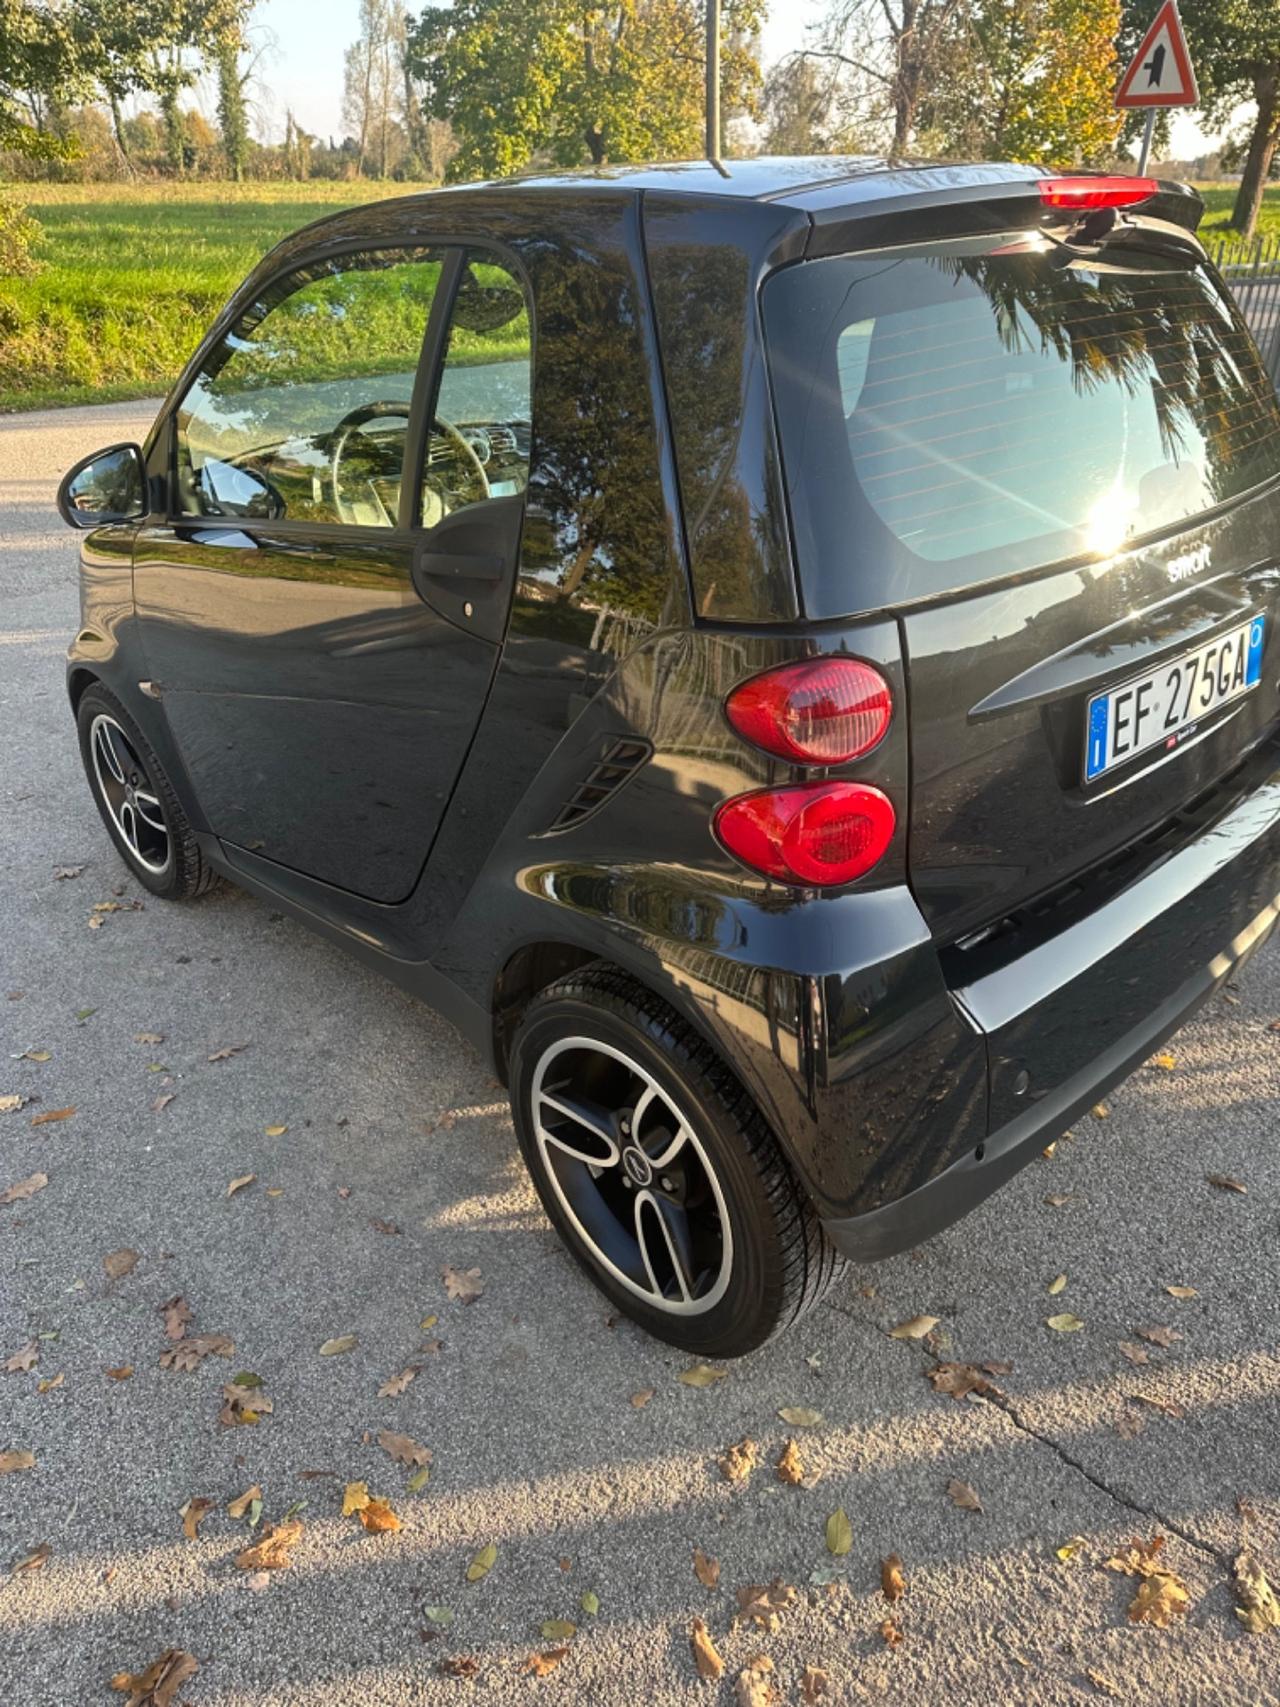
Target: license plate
[[1160, 708]]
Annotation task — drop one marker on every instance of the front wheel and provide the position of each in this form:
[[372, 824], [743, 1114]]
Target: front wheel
[[659, 1172], [139, 807]]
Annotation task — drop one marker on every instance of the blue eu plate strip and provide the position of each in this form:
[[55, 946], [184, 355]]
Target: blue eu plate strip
[[1257, 635], [1096, 758]]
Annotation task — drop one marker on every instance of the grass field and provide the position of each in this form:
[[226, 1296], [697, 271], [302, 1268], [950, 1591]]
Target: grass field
[[1218, 202], [133, 274]]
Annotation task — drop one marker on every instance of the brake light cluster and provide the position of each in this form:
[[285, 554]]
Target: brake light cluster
[[820, 711], [1089, 192]]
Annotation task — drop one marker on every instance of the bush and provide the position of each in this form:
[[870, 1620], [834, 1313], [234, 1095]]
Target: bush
[[18, 231]]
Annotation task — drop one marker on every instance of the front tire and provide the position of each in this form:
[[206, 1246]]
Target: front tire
[[139, 807], [659, 1172]]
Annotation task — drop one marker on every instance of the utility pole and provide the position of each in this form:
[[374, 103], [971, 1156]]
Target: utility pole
[[713, 79]]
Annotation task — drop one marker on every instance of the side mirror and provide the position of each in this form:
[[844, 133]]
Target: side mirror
[[109, 486]]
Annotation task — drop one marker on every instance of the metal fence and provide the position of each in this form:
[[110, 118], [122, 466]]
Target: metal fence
[[1252, 269]]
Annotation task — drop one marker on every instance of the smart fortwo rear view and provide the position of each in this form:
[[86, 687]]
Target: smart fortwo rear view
[[782, 655]]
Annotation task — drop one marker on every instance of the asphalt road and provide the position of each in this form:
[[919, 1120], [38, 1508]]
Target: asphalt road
[[526, 1405]]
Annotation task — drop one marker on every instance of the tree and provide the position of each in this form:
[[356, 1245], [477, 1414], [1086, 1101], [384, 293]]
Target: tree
[[1235, 48], [233, 107], [1029, 80], [39, 65], [896, 51], [799, 107], [621, 80], [372, 80]]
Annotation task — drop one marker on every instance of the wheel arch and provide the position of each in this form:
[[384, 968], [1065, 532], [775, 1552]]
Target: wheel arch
[[79, 678]]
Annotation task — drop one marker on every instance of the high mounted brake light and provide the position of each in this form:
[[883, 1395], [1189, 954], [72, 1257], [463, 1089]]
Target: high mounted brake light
[[1086, 193]]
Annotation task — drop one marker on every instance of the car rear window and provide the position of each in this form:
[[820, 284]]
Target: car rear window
[[950, 415]]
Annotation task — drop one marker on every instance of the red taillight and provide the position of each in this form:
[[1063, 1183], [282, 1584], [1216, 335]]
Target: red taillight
[[1086, 193], [820, 711], [822, 834]]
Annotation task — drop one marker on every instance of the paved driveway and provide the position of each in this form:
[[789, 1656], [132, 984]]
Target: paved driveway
[[358, 1110]]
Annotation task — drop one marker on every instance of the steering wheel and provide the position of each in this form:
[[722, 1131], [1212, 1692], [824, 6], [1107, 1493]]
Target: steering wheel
[[355, 420]]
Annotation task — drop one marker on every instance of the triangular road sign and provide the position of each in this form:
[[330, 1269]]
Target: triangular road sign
[[1160, 74]]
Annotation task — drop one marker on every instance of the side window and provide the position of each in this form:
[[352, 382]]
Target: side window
[[482, 426], [301, 412]]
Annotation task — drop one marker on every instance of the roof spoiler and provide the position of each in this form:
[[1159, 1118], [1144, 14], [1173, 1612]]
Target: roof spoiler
[[914, 208]]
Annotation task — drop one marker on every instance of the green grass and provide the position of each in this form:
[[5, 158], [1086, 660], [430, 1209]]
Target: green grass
[[132, 276], [1219, 199]]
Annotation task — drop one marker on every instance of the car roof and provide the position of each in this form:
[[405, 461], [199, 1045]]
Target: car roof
[[794, 180]]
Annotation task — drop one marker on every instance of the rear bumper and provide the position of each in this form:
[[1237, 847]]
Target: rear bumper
[[1078, 1013]]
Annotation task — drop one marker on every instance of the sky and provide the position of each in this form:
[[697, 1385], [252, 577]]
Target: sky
[[303, 63]]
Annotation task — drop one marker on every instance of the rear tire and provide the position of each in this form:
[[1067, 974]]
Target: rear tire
[[706, 1239], [139, 807]]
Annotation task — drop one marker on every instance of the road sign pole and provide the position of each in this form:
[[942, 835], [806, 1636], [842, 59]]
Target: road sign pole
[[1148, 131], [713, 79]]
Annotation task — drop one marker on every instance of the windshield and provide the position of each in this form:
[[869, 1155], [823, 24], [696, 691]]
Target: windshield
[[952, 415]]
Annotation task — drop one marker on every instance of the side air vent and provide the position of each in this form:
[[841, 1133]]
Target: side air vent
[[621, 759]]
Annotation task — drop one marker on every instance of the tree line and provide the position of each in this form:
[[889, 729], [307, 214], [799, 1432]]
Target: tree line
[[487, 87]]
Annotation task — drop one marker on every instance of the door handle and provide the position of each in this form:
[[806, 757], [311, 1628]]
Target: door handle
[[460, 565]]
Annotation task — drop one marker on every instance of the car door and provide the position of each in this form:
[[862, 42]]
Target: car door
[[322, 606]]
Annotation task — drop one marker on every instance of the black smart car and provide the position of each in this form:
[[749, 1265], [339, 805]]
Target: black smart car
[[777, 653]]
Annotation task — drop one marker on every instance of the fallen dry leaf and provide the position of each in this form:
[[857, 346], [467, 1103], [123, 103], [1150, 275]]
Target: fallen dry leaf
[[403, 1450], [799, 1416], [1101, 1682], [273, 1552], [418, 1480], [701, 1375], [1158, 1336], [482, 1563], [36, 1055], [239, 1507], [25, 1188], [1170, 1407], [459, 1665], [1259, 1610], [1056, 1199], [188, 1354], [1066, 1323], [12, 1103], [35, 1560], [706, 1570], [122, 1373], [240, 1183], [230, 1050], [1135, 1353], [16, 1459], [958, 1379], [641, 1399], [814, 1683], [274, 1131], [51, 1115], [355, 1497], [243, 1407], [705, 1657], [50, 1386], [193, 1515], [149, 1037], [839, 1533], [915, 1329], [1163, 1060], [547, 1661], [177, 1314], [790, 1467], [162, 1102], [1182, 1292], [119, 1263], [25, 1360], [462, 1284], [378, 1517], [890, 1632], [963, 1495], [1100, 1111], [336, 1347], [61, 873], [1129, 1424], [158, 1685], [1224, 1182], [1139, 1558], [755, 1686], [1161, 1598], [1056, 1285], [763, 1605], [558, 1630], [393, 1388], [737, 1462], [893, 1585]]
